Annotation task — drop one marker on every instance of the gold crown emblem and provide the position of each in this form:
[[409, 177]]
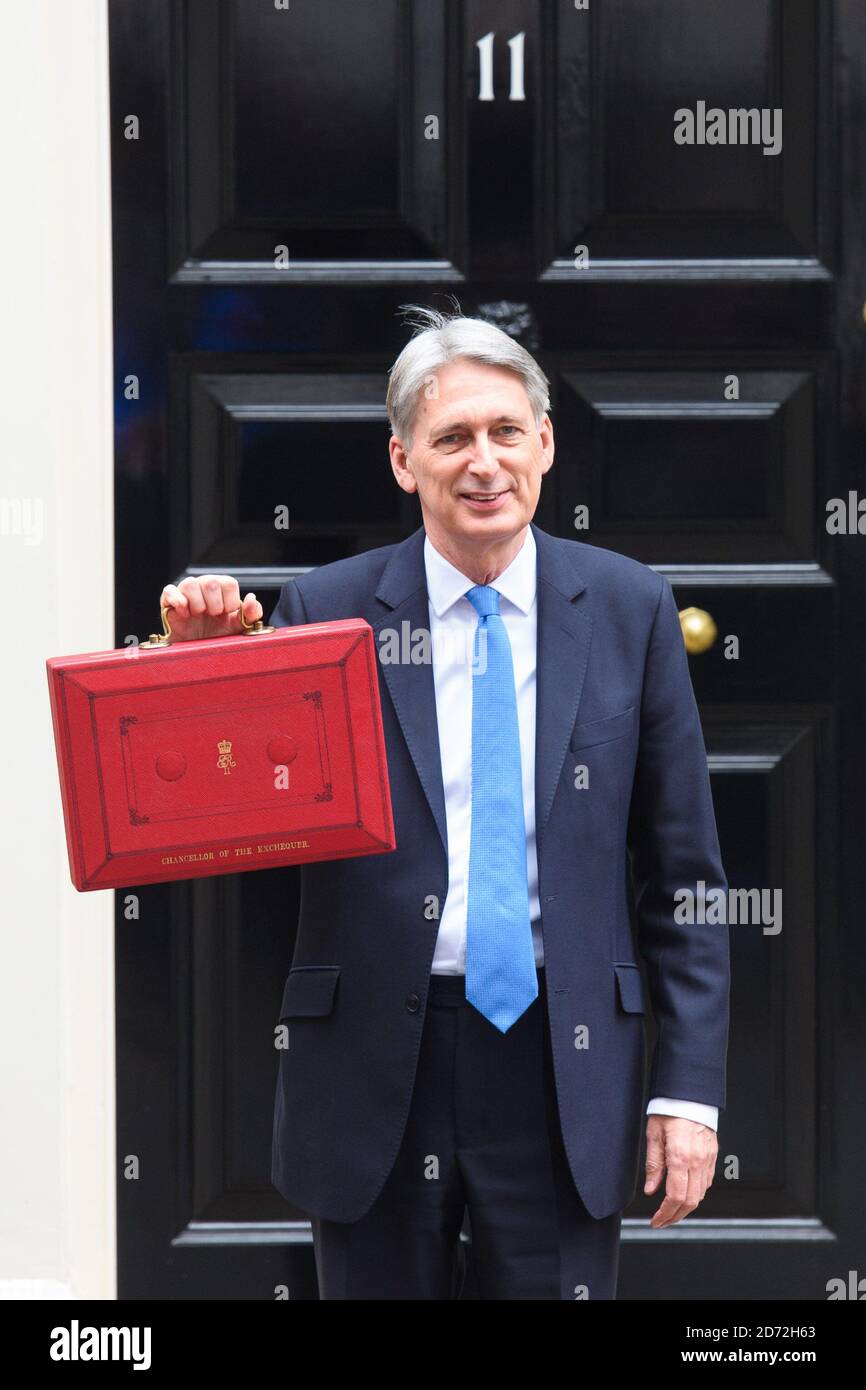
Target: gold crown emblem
[[225, 759]]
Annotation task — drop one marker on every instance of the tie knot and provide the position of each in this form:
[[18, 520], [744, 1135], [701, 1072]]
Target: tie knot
[[484, 599]]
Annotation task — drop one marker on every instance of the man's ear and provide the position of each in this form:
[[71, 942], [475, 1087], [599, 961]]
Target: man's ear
[[400, 465], [545, 431]]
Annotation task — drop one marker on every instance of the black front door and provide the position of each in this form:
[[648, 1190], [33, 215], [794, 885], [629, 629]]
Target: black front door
[[664, 202]]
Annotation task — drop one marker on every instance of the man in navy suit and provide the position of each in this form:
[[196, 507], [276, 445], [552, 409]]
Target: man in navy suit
[[466, 1013]]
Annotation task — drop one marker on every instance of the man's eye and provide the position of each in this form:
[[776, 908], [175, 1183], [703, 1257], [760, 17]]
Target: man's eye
[[447, 438], [509, 427]]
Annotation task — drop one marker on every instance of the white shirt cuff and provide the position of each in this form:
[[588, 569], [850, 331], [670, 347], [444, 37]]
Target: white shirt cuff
[[685, 1110]]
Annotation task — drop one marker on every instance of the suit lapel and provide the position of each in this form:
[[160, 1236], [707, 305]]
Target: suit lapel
[[403, 587], [562, 654]]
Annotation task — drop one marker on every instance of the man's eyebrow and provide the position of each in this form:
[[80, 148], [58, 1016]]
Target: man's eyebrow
[[451, 425]]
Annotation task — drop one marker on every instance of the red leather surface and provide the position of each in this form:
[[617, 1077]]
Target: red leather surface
[[221, 755]]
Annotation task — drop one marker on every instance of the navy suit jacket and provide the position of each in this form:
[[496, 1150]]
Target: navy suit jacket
[[613, 695]]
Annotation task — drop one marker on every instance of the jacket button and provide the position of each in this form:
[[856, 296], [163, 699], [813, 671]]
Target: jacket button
[[413, 1003]]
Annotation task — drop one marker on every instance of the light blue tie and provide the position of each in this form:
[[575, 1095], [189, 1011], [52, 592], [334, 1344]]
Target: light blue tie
[[501, 978]]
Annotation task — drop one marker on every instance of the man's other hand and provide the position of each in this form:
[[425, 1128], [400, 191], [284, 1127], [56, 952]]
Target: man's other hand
[[208, 605], [685, 1149]]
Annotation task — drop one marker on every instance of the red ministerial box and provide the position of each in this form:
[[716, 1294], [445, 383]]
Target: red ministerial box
[[221, 755]]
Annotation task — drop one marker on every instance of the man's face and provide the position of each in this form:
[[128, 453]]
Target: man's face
[[476, 457]]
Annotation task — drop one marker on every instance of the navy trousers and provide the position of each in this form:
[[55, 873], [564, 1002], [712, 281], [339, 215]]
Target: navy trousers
[[482, 1136]]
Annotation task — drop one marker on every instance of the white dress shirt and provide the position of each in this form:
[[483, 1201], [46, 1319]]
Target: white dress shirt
[[453, 621]]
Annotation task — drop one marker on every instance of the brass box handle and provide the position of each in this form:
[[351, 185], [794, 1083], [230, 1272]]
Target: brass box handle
[[163, 639]]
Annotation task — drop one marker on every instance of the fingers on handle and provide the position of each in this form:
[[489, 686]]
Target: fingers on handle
[[173, 597], [252, 608], [215, 594], [211, 594]]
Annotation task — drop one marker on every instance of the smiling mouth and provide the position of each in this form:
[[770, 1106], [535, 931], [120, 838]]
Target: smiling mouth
[[485, 496]]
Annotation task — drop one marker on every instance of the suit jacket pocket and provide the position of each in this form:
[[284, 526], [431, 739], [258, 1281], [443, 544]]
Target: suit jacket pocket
[[309, 991], [603, 730], [630, 988]]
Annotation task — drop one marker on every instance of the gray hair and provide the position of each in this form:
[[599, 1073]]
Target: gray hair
[[441, 338]]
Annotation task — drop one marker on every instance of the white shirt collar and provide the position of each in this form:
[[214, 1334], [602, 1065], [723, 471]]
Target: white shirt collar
[[446, 584]]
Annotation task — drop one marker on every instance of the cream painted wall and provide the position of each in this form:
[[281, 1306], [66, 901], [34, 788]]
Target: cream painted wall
[[57, 1164]]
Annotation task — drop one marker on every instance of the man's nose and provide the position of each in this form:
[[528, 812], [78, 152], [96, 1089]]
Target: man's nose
[[483, 460]]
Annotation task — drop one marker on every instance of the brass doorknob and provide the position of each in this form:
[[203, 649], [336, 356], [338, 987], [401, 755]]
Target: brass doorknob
[[699, 630]]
